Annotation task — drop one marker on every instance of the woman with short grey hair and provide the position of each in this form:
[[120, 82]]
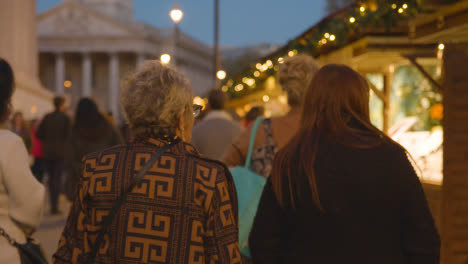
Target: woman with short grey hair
[[183, 208]]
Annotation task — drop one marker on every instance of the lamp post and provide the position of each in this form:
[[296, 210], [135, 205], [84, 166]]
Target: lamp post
[[217, 61], [176, 15]]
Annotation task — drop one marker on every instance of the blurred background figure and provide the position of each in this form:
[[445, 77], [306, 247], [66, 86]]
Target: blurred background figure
[[217, 131], [91, 132], [18, 126], [38, 168], [53, 132], [253, 114], [21, 195], [294, 75]]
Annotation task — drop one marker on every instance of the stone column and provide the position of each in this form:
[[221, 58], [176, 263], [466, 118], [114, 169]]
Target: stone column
[[59, 73], [86, 72], [140, 60], [114, 85]]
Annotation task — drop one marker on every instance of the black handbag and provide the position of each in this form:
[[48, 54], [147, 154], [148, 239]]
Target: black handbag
[[110, 217], [30, 252]]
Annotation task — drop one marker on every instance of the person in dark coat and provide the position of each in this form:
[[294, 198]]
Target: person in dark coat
[[341, 191], [90, 132], [53, 132]]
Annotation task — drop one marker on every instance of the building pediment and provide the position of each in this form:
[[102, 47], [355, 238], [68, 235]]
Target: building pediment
[[74, 20]]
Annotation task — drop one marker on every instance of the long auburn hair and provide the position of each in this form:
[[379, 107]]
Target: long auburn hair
[[335, 108]]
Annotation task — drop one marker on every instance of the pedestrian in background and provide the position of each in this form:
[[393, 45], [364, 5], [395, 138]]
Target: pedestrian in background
[[53, 132], [91, 132], [21, 195], [253, 114], [38, 168], [18, 126], [294, 76], [341, 190], [217, 131], [184, 209]]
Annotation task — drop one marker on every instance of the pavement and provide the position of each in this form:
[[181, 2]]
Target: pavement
[[48, 233]]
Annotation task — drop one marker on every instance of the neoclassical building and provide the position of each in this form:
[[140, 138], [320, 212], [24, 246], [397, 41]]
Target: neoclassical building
[[87, 46]]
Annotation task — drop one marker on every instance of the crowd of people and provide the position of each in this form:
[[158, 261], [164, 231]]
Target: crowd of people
[[337, 190]]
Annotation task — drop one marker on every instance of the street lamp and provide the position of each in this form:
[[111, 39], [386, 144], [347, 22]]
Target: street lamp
[[165, 58], [221, 75], [176, 15]]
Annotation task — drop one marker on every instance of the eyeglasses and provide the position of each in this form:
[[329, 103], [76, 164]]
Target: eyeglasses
[[197, 110]]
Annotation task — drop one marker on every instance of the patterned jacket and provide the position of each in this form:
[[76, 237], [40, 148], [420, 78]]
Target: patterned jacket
[[183, 211]]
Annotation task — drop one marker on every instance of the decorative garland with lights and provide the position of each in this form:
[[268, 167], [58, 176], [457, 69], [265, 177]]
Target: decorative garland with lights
[[333, 32]]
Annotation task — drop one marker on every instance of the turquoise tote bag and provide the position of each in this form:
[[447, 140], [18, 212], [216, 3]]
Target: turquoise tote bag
[[249, 186]]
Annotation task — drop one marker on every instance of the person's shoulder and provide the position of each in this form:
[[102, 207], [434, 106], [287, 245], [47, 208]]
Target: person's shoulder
[[8, 138], [112, 151], [203, 161]]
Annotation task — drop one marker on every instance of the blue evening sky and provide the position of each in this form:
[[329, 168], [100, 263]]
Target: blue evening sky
[[242, 22]]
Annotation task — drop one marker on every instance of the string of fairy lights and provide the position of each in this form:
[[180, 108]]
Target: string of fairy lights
[[334, 32]]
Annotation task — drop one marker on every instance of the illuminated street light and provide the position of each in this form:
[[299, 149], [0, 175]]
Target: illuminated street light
[[441, 46], [176, 15], [221, 75], [67, 84], [165, 58]]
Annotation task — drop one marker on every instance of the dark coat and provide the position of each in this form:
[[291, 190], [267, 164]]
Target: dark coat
[[375, 211], [82, 141], [53, 132], [183, 211]]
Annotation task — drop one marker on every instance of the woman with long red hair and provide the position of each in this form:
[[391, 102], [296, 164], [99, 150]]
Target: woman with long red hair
[[341, 191]]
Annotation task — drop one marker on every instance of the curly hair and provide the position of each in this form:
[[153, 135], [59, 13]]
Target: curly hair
[[153, 98], [7, 83], [295, 75]]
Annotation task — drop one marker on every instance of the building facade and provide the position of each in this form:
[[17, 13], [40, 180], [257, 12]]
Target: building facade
[[18, 46], [87, 46]]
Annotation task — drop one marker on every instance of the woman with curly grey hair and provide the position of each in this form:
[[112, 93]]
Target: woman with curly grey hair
[[155, 200]]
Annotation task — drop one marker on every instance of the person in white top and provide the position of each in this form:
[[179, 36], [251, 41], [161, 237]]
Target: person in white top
[[21, 195]]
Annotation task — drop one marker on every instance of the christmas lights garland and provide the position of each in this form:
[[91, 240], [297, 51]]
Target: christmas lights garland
[[334, 32]]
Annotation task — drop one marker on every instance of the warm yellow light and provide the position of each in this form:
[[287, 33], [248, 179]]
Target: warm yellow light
[[33, 109], [224, 88], [258, 66], [400, 10], [199, 101], [394, 6], [352, 20], [165, 58], [257, 74], [441, 46], [405, 6], [332, 37], [280, 60], [67, 84], [248, 81], [291, 53], [264, 68], [326, 35], [269, 63], [176, 15], [221, 75], [324, 41], [266, 98], [362, 9], [239, 87]]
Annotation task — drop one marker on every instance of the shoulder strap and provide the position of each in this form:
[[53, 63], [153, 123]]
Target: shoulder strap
[[253, 135], [110, 217]]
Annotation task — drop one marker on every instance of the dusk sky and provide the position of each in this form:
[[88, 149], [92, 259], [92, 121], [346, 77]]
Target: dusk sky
[[242, 22]]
